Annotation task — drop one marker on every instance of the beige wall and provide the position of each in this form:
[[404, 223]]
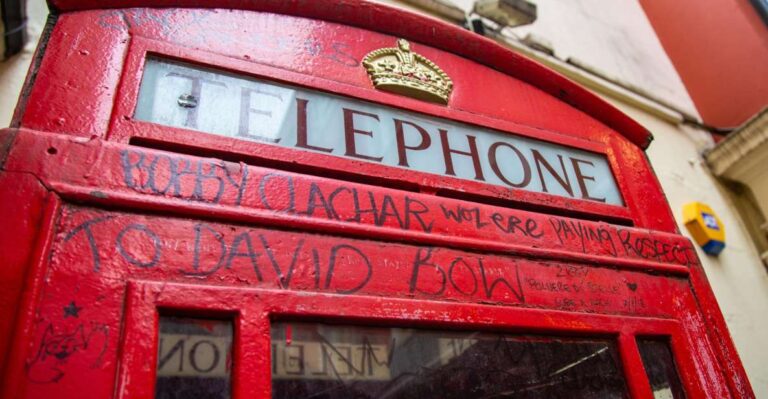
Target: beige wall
[[613, 37], [622, 50]]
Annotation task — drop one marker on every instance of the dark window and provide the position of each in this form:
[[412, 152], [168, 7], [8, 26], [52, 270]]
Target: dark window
[[660, 367], [194, 359], [322, 361]]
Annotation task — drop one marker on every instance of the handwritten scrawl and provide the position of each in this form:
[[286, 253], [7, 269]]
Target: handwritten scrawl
[[59, 345]]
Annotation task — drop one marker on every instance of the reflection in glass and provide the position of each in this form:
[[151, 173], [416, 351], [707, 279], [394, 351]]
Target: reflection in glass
[[660, 367], [194, 359], [319, 361]]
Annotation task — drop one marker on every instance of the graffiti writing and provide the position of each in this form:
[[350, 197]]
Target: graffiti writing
[[174, 249], [210, 181], [652, 248], [571, 229], [61, 343], [508, 224], [217, 182], [461, 271], [293, 260]]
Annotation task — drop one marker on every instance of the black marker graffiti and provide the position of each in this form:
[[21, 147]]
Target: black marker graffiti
[[571, 229], [72, 310], [59, 344], [86, 227], [506, 276]]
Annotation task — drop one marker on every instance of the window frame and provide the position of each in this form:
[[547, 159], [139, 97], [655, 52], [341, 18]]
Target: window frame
[[253, 310]]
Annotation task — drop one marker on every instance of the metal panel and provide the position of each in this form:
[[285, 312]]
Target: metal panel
[[128, 220]]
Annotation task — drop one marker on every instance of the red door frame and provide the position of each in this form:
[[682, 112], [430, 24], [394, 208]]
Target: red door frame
[[51, 146], [254, 309]]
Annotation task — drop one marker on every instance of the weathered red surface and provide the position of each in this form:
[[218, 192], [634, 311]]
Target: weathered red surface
[[117, 173], [21, 244], [276, 232]]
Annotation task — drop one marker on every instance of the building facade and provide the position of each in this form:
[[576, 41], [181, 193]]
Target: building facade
[[613, 50]]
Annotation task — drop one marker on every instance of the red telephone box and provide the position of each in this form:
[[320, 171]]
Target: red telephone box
[[333, 199]]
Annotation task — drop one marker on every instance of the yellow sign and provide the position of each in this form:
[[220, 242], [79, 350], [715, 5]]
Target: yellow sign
[[399, 70], [705, 227]]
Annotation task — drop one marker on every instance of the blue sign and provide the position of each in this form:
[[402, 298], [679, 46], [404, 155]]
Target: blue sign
[[710, 221]]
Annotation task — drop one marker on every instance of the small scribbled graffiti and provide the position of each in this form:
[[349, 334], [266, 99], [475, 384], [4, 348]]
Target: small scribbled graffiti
[[60, 345]]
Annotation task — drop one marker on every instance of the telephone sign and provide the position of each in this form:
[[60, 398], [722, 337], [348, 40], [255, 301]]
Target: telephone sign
[[336, 199], [262, 111]]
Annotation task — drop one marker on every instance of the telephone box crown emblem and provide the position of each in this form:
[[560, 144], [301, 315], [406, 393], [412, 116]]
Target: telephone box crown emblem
[[399, 70]]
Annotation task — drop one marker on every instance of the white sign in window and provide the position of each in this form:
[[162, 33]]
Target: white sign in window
[[194, 358], [221, 103]]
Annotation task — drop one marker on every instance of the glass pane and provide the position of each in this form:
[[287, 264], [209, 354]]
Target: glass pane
[[194, 359], [660, 367], [321, 361], [238, 106]]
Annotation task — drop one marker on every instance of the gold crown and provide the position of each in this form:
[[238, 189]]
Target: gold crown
[[399, 70]]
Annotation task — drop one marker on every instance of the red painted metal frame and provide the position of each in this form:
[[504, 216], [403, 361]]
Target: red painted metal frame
[[62, 175], [66, 271], [69, 110], [253, 309], [643, 197], [124, 128], [381, 18], [22, 276]]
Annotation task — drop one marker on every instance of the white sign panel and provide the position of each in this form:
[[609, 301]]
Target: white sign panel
[[186, 355], [326, 361], [225, 104]]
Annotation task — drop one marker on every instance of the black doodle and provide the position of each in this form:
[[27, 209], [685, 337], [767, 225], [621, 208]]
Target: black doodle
[[61, 343], [72, 310]]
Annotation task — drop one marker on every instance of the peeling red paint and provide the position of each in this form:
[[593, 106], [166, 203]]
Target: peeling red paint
[[96, 247]]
